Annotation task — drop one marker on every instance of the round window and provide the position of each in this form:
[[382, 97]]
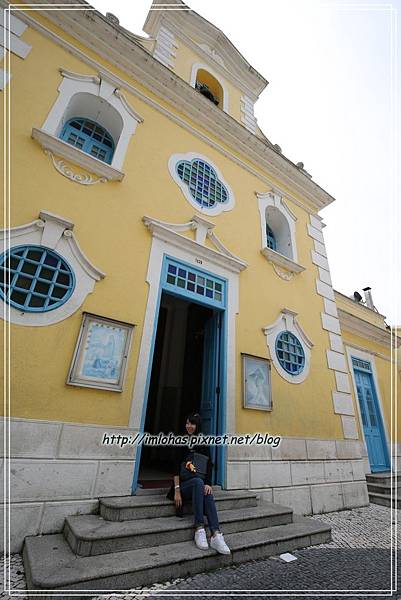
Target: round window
[[290, 353], [35, 278]]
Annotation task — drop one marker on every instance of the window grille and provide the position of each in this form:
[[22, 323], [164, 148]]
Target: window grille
[[192, 282], [290, 353], [203, 182], [35, 278], [363, 365]]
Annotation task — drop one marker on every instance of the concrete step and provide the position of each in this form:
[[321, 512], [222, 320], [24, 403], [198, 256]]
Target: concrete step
[[384, 500], [384, 488], [90, 535], [151, 491], [161, 491], [50, 563], [382, 477], [127, 508]]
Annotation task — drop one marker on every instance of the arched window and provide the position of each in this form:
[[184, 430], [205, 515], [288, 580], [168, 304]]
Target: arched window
[[209, 85], [90, 137], [35, 278], [278, 225], [270, 237]]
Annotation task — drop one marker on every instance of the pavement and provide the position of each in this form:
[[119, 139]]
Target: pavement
[[359, 563]]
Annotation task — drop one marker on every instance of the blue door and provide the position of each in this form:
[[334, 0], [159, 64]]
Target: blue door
[[371, 417], [211, 383], [201, 287]]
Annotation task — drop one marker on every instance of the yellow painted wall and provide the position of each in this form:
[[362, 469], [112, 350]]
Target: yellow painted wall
[[109, 228]]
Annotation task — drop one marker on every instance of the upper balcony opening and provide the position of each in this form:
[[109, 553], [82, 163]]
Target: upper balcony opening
[[209, 87]]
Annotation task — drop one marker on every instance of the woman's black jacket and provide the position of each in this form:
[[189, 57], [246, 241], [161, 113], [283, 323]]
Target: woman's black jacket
[[184, 452]]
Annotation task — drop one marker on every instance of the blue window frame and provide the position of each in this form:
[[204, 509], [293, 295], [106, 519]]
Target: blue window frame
[[363, 365], [90, 137], [203, 183], [199, 285], [35, 278], [290, 353], [271, 240]]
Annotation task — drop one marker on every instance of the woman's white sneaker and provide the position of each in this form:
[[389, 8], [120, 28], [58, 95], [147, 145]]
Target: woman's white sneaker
[[217, 542], [200, 539]]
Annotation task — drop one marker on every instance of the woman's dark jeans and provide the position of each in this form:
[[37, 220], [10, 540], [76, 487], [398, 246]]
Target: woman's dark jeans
[[202, 504]]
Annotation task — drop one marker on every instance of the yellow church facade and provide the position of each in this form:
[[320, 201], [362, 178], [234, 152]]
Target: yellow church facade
[[162, 257]]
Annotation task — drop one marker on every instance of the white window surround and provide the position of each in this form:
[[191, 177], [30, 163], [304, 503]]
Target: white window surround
[[287, 322], [96, 98], [55, 232], [220, 207], [286, 255], [350, 351], [194, 71]]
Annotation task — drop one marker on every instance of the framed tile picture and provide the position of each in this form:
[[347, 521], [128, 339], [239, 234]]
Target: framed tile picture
[[101, 353], [256, 382]]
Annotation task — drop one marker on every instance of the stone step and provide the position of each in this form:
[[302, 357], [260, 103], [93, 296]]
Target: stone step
[[384, 500], [50, 563], [382, 477], [151, 491], [161, 491], [127, 508], [89, 535], [384, 488]]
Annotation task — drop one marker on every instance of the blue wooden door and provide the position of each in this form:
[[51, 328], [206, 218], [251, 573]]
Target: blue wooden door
[[371, 417], [211, 384]]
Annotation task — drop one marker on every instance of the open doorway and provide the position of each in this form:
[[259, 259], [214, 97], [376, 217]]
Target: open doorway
[[185, 378]]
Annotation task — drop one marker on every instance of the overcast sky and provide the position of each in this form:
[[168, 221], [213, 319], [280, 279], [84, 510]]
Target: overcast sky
[[331, 103]]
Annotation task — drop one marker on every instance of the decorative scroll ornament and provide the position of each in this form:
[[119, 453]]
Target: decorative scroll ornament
[[66, 171], [286, 275]]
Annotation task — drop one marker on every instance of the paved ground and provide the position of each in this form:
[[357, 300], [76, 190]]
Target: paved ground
[[358, 558]]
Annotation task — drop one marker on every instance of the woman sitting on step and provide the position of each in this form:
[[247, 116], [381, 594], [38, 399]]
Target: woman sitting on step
[[192, 481]]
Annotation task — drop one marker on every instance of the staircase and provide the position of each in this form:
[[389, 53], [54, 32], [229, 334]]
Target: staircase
[[379, 489], [137, 541]]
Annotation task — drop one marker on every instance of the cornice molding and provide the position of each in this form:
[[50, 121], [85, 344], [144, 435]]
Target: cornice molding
[[132, 58], [359, 327], [344, 298], [169, 233]]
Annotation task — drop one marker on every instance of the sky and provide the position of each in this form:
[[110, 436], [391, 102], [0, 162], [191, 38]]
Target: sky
[[332, 103]]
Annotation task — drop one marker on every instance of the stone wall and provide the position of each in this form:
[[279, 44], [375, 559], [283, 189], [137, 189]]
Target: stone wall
[[311, 476]]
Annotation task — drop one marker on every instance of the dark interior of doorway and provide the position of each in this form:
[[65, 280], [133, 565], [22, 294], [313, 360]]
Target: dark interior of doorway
[[175, 388]]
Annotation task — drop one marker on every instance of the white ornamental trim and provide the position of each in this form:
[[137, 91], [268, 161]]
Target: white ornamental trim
[[287, 322], [54, 232], [66, 171], [343, 404], [282, 262], [342, 382], [54, 146]]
